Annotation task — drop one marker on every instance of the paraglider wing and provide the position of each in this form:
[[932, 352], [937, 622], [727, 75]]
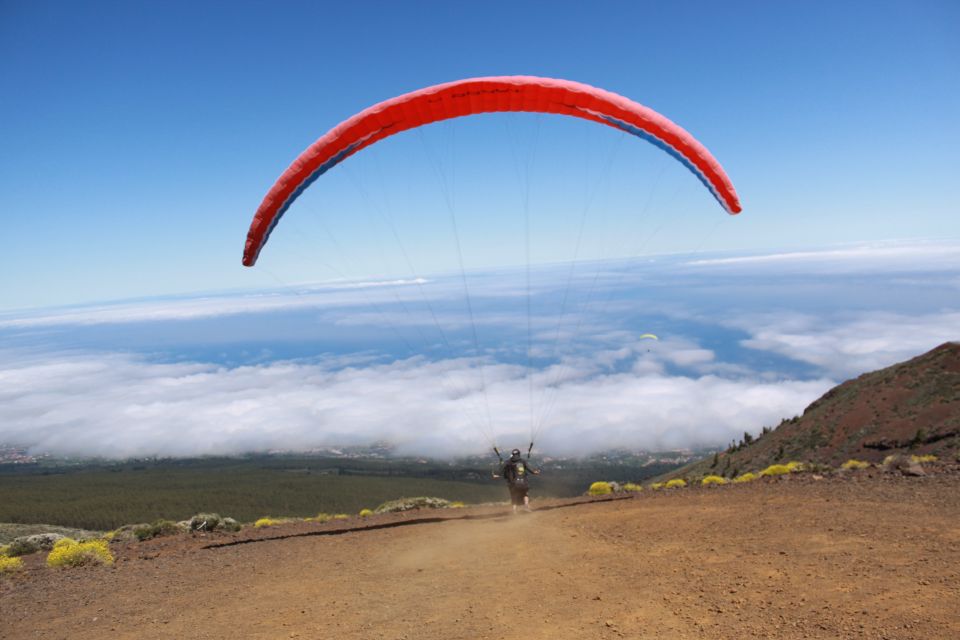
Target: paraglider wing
[[483, 95], [650, 336]]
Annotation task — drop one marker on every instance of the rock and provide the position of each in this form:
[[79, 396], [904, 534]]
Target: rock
[[903, 464]]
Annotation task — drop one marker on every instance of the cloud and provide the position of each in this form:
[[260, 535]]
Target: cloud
[[887, 256], [170, 309], [848, 345], [120, 406]]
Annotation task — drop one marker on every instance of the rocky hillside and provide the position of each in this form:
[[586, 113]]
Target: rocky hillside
[[911, 407]]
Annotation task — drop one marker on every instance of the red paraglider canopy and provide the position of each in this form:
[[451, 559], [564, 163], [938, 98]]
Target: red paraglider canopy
[[483, 95]]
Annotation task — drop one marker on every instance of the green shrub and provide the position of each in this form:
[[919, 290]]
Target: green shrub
[[21, 547], [709, 480], [70, 553], [158, 528], [600, 489], [205, 521]]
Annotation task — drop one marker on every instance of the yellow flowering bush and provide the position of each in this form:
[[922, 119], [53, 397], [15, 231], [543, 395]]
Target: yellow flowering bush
[[456, 504], [70, 553], [600, 489], [268, 522], [795, 466], [746, 477], [709, 480], [630, 486], [320, 517], [365, 512], [9, 565], [657, 485], [926, 458], [852, 464], [3, 549], [341, 516], [775, 470], [676, 483]]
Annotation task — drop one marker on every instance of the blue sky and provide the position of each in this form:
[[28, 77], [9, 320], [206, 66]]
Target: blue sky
[[138, 139]]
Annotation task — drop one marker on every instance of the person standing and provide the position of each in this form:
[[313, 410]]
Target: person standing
[[516, 471]]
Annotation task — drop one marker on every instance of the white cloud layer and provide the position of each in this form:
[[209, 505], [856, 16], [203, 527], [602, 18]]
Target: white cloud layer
[[846, 347], [120, 406]]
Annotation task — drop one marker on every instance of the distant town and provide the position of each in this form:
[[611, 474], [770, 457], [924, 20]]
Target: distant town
[[13, 454]]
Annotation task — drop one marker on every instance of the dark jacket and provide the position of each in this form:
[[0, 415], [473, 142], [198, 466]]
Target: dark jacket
[[516, 470]]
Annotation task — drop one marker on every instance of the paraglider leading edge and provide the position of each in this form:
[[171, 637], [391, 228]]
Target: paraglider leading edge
[[483, 95]]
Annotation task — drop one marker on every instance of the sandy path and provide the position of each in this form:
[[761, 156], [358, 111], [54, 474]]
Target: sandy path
[[830, 559]]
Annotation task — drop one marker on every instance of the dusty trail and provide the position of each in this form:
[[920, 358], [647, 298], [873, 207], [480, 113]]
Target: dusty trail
[[875, 558]]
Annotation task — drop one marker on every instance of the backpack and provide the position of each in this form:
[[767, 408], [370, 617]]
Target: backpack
[[518, 474]]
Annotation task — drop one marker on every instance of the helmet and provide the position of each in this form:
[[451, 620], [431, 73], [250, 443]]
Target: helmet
[[515, 452]]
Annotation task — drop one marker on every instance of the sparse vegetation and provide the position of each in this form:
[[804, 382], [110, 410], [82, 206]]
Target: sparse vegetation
[[70, 553], [711, 480], [405, 504], [158, 528], [854, 465], [320, 517], [600, 489]]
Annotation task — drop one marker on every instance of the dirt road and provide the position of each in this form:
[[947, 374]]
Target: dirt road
[[862, 557]]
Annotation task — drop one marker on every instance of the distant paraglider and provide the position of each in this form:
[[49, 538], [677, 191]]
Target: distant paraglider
[[649, 336], [483, 95]]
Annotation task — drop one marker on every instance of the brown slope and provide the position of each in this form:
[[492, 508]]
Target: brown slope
[[858, 556], [910, 407]]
